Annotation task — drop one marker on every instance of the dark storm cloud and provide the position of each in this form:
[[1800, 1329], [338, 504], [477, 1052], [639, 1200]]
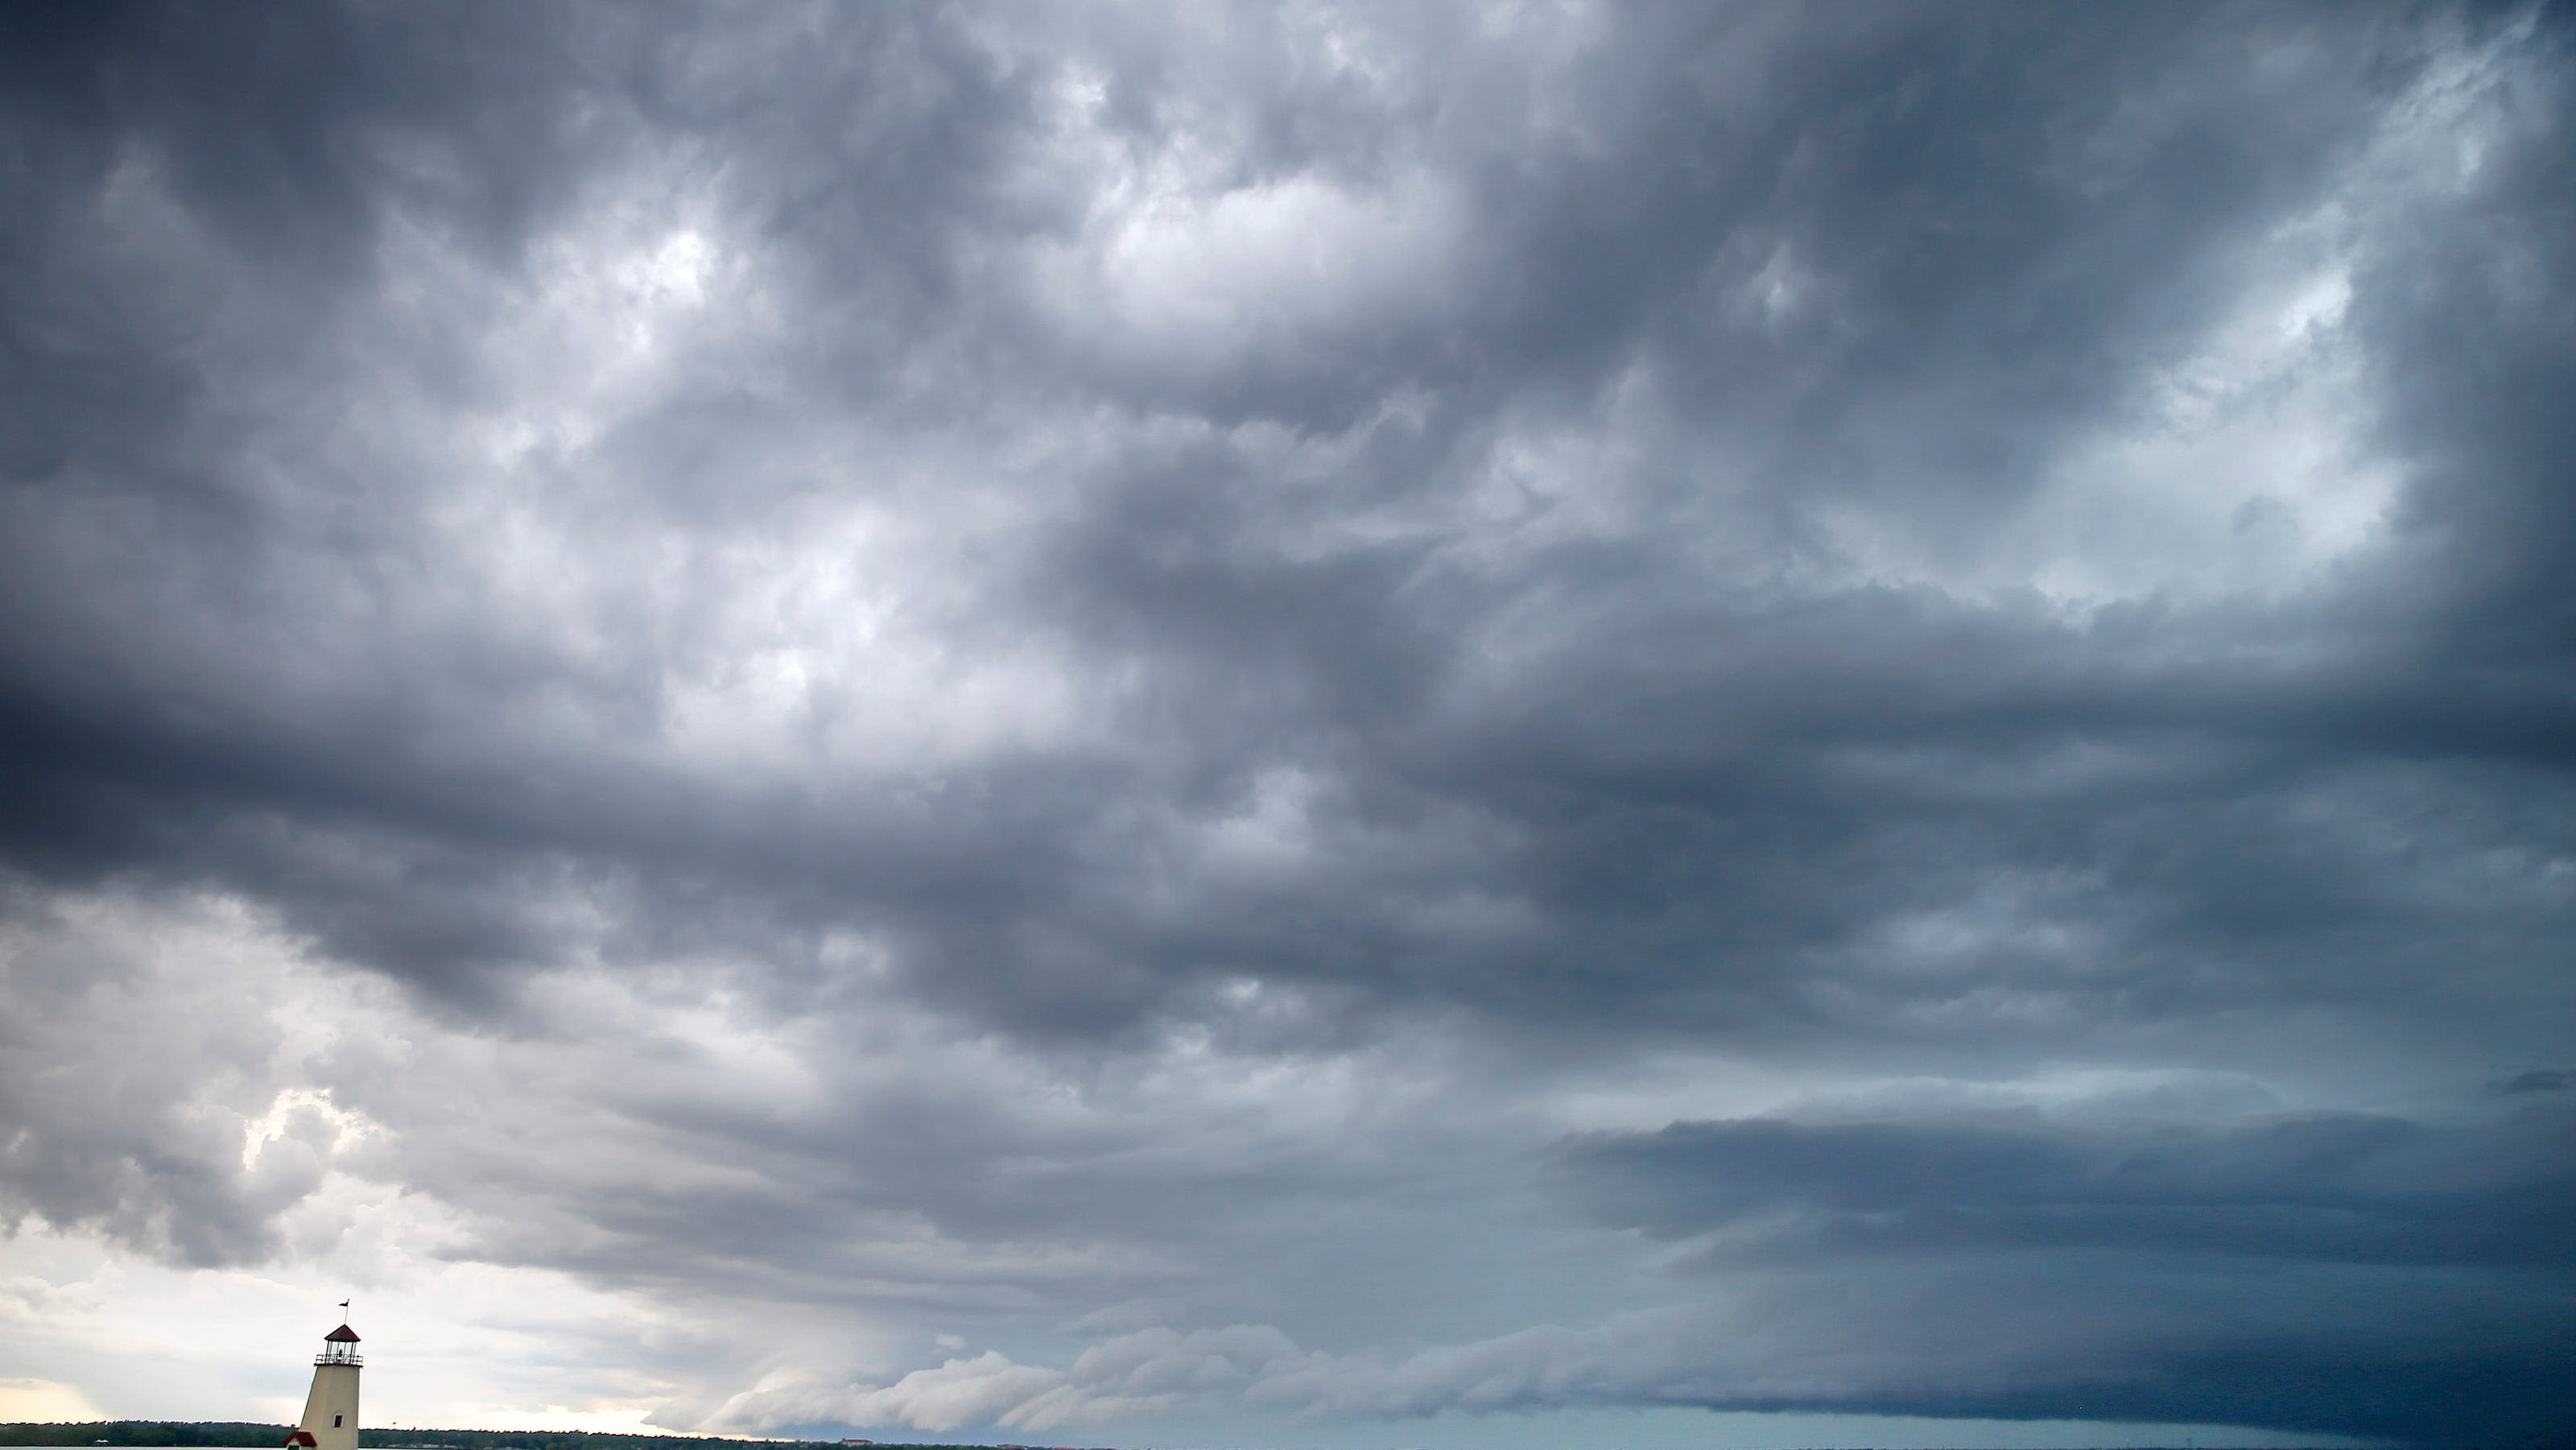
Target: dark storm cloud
[[2541, 1080], [287, 137], [1583, 534], [2241, 1229], [1674, 720], [2328, 1187]]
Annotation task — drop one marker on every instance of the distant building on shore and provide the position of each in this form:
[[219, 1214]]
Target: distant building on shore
[[331, 1409]]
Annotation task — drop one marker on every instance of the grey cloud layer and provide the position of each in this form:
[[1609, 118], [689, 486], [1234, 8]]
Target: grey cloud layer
[[2342, 1186], [1875, 541]]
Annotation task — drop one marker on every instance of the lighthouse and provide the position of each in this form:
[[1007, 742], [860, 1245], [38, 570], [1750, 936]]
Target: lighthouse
[[331, 1410]]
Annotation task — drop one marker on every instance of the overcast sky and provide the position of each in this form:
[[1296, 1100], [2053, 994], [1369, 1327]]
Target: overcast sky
[[1537, 724]]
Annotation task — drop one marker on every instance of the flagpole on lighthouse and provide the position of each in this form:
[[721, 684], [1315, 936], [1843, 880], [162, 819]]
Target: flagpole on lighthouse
[[331, 1408]]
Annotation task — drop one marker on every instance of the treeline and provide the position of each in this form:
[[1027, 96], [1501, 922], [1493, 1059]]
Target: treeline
[[235, 1433], [145, 1432]]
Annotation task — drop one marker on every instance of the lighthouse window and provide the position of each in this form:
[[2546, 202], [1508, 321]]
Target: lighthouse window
[[335, 1422]]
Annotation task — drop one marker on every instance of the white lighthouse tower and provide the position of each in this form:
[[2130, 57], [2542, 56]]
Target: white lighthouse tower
[[331, 1410]]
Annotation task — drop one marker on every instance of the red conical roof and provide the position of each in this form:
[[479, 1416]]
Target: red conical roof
[[342, 1335]]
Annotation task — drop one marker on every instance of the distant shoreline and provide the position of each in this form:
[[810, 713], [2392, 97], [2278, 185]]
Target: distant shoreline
[[246, 1435]]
